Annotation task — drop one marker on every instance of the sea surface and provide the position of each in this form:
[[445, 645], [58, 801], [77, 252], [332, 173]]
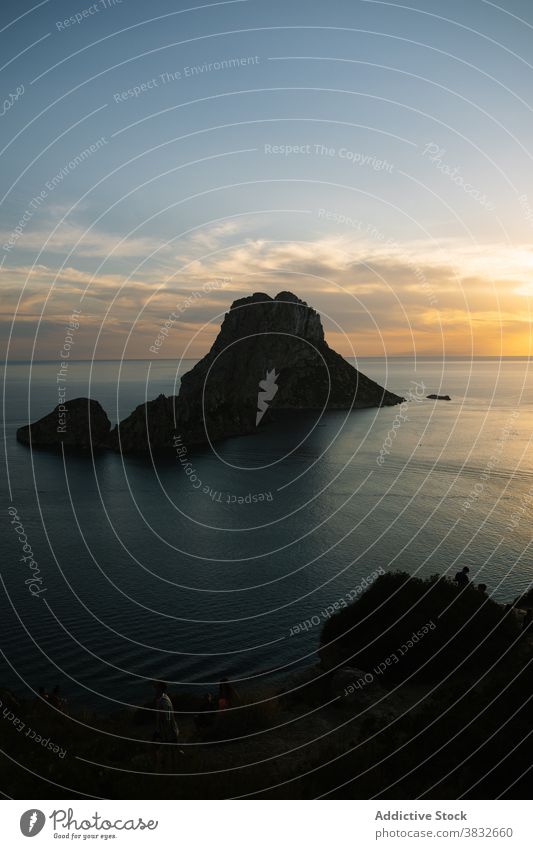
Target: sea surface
[[147, 574]]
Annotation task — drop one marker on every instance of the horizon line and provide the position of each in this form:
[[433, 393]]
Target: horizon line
[[439, 357]]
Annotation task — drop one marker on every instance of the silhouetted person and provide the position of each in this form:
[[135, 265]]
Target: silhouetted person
[[56, 700], [527, 621], [166, 728], [482, 588], [42, 700], [461, 578], [205, 717], [227, 695]]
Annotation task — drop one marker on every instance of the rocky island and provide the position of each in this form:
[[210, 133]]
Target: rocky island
[[81, 423], [270, 354]]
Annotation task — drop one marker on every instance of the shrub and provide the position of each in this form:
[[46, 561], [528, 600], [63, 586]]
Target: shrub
[[403, 625]]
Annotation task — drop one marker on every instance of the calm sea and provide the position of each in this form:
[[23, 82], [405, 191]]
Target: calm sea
[[147, 576]]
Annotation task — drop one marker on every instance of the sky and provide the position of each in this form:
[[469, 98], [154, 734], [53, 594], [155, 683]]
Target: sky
[[374, 158]]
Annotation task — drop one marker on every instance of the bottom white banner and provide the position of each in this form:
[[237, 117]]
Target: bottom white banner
[[266, 824]]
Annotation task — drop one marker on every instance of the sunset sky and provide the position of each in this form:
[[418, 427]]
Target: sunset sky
[[372, 157]]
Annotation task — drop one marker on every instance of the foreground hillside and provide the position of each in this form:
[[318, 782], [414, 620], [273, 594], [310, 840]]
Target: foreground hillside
[[450, 717]]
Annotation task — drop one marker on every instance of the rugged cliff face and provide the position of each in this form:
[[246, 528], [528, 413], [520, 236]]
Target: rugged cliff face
[[278, 340], [270, 355], [151, 426]]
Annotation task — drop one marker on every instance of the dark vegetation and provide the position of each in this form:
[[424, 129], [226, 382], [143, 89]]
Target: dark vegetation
[[452, 717], [439, 628]]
